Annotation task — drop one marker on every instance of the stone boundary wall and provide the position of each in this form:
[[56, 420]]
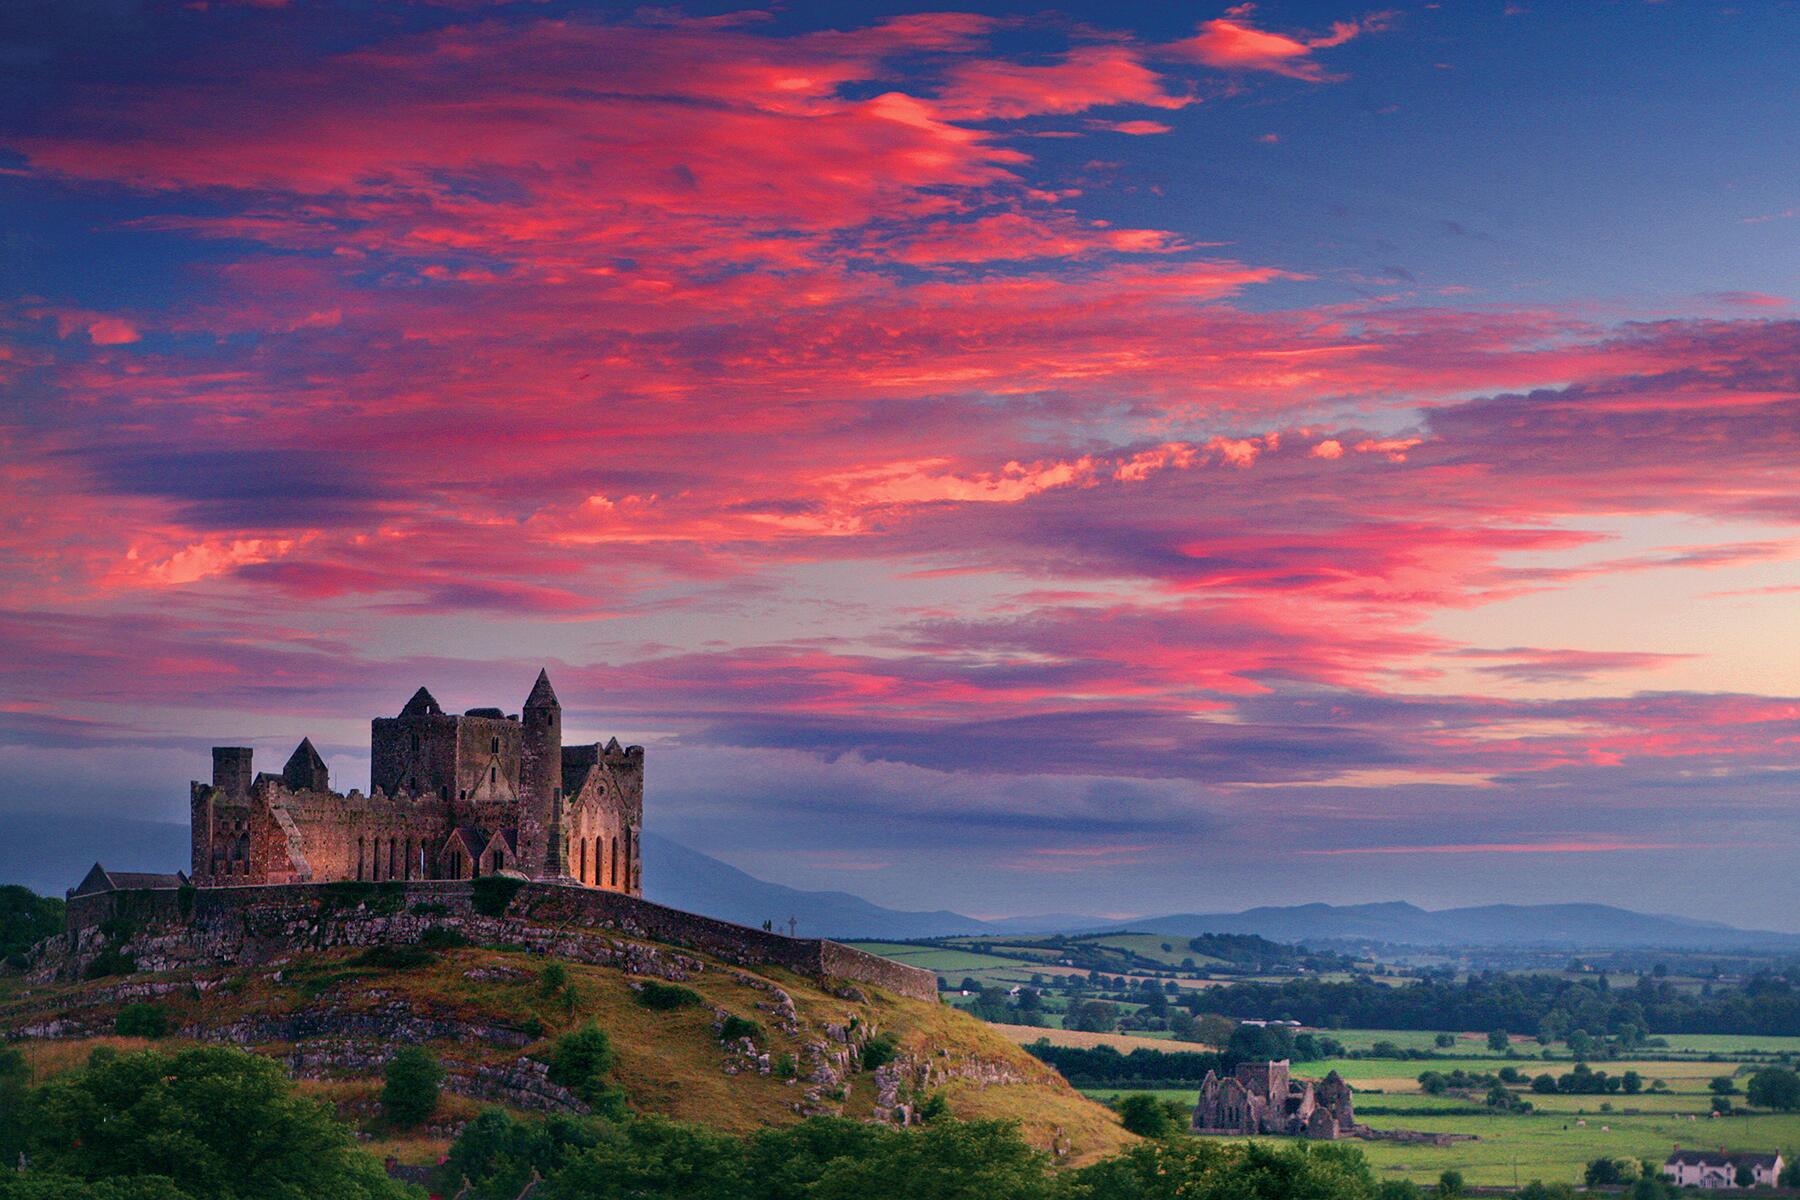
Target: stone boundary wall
[[255, 922]]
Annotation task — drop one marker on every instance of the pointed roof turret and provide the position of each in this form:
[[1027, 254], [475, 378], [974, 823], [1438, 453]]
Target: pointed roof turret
[[542, 694], [423, 704], [305, 770], [304, 755]]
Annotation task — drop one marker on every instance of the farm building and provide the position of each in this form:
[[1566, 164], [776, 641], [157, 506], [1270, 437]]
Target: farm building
[[1722, 1168]]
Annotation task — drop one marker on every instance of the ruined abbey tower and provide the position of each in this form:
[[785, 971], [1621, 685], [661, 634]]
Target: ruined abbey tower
[[450, 797]]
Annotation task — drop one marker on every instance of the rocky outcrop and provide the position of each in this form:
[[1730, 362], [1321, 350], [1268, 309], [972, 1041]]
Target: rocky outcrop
[[190, 927]]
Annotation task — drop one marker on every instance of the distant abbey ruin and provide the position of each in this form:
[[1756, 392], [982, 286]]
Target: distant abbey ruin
[[1263, 1098], [450, 797]]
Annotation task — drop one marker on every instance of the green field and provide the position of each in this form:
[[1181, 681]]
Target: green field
[[939, 959], [1548, 1146], [1564, 1133]]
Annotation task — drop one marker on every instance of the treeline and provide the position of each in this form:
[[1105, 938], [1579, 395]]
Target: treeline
[[1545, 1005], [1102, 1066]]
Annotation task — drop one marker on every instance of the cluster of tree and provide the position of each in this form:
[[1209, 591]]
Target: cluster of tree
[[26, 919], [1585, 1081], [1549, 1006], [206, 1124], [1103, 1066], [1259, 953], [1497, 1097], [827, 1158]]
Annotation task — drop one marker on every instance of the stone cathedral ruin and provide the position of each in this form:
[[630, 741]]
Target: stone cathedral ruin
[[482, 824], [450, 797]]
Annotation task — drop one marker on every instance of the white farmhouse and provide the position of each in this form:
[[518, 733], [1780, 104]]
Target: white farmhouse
[[1719, 1168]]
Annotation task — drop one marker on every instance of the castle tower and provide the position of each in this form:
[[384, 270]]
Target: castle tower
[[540, 783], [305, 770]]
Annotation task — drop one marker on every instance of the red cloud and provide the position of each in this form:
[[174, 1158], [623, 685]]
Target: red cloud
[[1231, 43]]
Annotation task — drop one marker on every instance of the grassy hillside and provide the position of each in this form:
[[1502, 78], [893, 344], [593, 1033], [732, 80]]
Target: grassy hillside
[[334, 1015]]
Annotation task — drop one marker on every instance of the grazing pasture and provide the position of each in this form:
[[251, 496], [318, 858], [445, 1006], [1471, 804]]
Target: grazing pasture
[[1564, 1132]]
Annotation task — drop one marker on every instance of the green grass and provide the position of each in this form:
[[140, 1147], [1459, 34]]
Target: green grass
[[1170, 951], [1552, 1146], [941, 960], [1555, 1142]]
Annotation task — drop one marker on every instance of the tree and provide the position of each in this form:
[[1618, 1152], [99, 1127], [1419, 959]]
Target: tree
[[1581, 1043], [213, 1122], [498, 1155], [1544, 1085], [1774, 1087], [947, 1160], [142, 1020], [1722, 1085], [1632, 1083], [1721, 1105], [1261, 1042], [1432, 1083], [1746, 1176], [1450, 1184], [1604, 1172], [15, 1077], [26, 919], [1444, 1041], [580, 1060], [1143, 1114], [651, 1158], [1093, 1016], [410, 1094], [1498, 1041]]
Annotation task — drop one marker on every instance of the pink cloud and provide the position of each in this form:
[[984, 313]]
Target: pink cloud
[[112, 331], [1232, 43]]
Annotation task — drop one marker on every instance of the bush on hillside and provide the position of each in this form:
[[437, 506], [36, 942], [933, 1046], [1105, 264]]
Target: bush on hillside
[[580, 1061], [204, 1124], [736, 1028], [394, 957], [879, 1051], [666, 996], [410, 1093], [493, 893], [142, 1020]]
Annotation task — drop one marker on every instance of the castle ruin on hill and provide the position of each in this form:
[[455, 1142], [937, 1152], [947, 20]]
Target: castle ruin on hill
[[450, 797], [481, 824]]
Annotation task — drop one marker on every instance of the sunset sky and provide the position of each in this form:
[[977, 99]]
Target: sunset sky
[[1112, 458]]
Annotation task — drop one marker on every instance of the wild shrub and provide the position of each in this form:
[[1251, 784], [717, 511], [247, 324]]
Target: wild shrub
[[736, 1028], [580, 1061], [879, 1051], [389, 957], [142, 1020], [493, 893], [410, 1092], [440, 937], [666, 996]]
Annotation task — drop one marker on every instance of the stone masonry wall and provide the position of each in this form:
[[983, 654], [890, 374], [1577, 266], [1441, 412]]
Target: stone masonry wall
[[196, 926]]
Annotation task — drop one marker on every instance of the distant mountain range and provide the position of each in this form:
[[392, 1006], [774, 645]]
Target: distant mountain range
[[49, 853], [1583, 926], [688, 879]]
